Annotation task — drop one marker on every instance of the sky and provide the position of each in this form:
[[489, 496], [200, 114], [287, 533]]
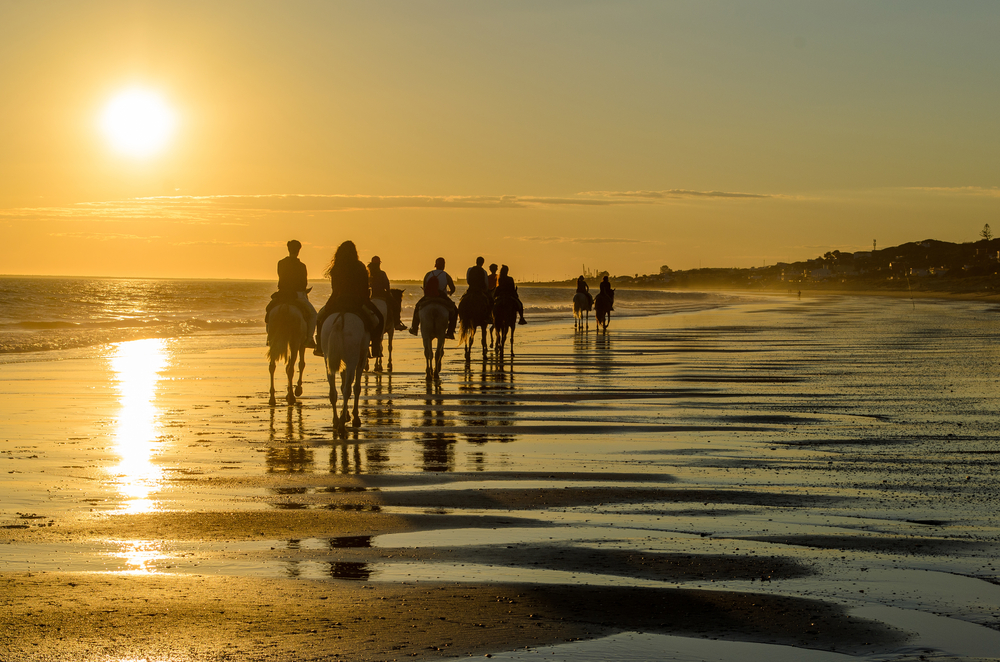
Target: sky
[[549, 136]]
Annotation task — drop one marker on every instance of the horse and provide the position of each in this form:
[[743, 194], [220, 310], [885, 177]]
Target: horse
[[286, 341], [582, 304], [433, 325], [604, 303], [390, 316], [505, 320], [344, 339], [473, 312]]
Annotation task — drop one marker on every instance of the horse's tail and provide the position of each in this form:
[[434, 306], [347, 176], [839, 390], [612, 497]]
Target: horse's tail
[[280, 329], [335, 352]]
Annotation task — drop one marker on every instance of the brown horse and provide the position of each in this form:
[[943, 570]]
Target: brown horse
[[505, 321], [390, 313], [473, 313], [581, 309], [604, 304], [286, 341]]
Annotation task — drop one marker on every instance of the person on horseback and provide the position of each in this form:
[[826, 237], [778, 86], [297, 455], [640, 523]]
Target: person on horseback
[[606, 289], [293, 287], [437, 286], [583, 288], [478, 282], [506, 287], [491, 280], [349, 294], [378, 284]]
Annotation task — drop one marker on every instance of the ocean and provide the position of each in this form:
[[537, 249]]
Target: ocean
[[42, 314]]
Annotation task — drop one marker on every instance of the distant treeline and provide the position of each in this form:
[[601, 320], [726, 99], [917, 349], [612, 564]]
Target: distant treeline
[[928, 265]]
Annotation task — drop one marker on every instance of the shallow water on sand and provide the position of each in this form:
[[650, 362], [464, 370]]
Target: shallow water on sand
[[853, 439]]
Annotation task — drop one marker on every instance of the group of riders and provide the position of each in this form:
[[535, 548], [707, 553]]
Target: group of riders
[[353, 286]]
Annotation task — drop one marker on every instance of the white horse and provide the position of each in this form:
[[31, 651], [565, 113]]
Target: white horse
[[581, 310], [345, 349], [286, 341], [433, 325]]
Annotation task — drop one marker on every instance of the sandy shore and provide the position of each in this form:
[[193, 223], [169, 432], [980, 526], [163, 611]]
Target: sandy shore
[[816, 474]]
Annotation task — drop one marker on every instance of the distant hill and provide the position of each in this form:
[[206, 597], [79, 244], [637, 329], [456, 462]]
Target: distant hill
[[920, 266]]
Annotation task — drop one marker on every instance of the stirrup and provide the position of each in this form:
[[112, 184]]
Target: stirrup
[[450, 335], [523, 321]]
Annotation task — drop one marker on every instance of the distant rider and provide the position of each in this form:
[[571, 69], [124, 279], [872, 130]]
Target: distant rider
[[293, 287], [583, 288], [491, 281], [349, 294], [478, 282], [606, 289], [506, 287], [378, 283], [437, 285]]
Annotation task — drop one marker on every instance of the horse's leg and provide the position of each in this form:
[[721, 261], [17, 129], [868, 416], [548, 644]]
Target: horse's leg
[[512, 342], [290, 373], [438, 355], [356, 422], [302, 367], [483, 330], [271, 368], [428, 357], [391, 333], [346, 377], [331, 378]]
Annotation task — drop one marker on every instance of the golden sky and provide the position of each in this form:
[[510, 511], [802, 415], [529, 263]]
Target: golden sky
[[543, 135]]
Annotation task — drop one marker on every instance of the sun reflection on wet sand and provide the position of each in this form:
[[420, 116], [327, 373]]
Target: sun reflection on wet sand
[[137, 365], [140, 556]]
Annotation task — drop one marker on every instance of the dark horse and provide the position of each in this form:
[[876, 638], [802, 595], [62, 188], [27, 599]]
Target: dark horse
[[390, 313], [505, 321], [473, 312], [604, 304]]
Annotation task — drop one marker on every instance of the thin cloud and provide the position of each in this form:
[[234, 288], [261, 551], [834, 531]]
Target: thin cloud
[[579, 240], [991, 192], [103, 236], [674, 194]]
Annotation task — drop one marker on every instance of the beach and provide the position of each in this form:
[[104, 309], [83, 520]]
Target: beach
[[747, 477]]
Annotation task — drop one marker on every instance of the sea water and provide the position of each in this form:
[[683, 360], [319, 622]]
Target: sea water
[[56, 313]]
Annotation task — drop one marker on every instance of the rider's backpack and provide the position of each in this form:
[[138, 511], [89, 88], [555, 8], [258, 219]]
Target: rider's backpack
[[431, 287]]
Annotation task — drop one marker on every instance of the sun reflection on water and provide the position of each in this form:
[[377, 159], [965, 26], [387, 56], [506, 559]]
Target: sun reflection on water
[[137, 365]]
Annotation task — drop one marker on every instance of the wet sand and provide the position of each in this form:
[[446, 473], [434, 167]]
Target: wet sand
[[817, 474]]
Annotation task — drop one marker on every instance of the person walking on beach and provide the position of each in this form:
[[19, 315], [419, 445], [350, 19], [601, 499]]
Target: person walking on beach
[[437, 284], [293, 287], [378, 285], [506, 287], [349, 294]]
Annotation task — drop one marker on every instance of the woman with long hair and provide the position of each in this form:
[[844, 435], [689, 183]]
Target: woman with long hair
[[349, 294]]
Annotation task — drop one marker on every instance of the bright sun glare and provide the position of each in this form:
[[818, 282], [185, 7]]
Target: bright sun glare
[[138, 122]]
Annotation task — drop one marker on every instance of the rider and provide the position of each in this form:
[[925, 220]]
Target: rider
[[378, 283], [506, 287], [437, 285], [583, 288], [491, 281], [293, 287], [606, 289], [349, 294], [478, 282]]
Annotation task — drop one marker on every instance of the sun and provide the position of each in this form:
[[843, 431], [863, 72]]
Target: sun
[[138, 122]]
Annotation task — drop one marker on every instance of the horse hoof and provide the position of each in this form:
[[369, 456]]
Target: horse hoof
[[377, 368], [298, 391], [272, 401], [356, 423]]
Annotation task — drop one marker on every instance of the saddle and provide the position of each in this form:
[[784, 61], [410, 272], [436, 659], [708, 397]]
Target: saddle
[[282, 297]]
